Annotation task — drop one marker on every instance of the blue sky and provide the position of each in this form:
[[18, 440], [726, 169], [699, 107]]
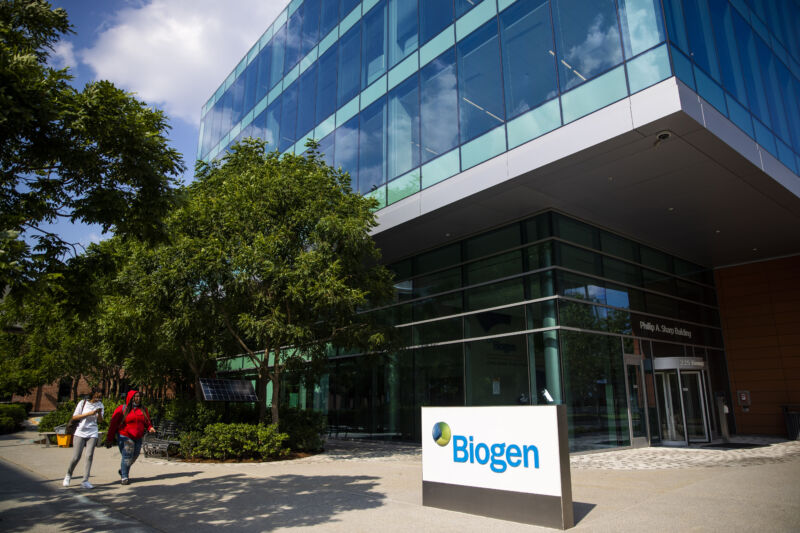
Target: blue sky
[[171, 53]]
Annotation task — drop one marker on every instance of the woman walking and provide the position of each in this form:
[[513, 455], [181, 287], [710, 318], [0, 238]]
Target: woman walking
[[129, 423], [90, 413]]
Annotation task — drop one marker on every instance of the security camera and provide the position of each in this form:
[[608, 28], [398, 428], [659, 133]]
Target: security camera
[[663, 135]]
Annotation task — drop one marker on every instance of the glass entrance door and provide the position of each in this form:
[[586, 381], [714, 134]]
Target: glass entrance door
[[669, 396], [694, 406], [683, 410]]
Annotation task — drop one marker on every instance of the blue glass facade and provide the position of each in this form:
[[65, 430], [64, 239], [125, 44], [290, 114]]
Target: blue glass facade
[[404, 94], [479, 71]]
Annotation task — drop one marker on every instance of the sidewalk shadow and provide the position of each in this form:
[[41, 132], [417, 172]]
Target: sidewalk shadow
[[581, 510], [238, 502]]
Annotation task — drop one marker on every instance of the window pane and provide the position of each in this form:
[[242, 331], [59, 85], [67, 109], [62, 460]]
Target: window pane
[[495, 267], [505, 292], [311, 12], [349, 65], [728, 52], [288, 117], [439, 375], [329, 16], [326, 93], [493, 241], [435, 15], [404, 127], [437, 282], [462, 6], [374, 46], [587, 40], [528, 59], [701, 36], [346, 6], [372, 153], [752, 71], [271, 126], [346, 149], [495, 322], [237, 101], [449, 304], [276, 63], [402, 29], [479, 82], [497, 371], [264, 59], [326, 149], [642, 26], [307, 98], [250, 81], [439, 106], [771, 83], [440, 331], [436, 259], [294, 39]]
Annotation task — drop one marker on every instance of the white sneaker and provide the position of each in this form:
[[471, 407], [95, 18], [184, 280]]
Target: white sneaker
[[67, 479], [87, 485]]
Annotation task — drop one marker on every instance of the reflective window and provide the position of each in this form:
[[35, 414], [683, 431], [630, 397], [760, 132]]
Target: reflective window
[[493, 241], [346, 6], [403, 37], [372, 152], [495, 267], [349, 65], [326, 149], [434, 16], [329, 16], [504, 292], [462, 6], [496, 371], [701, 36], [496, 322], [440, 331], [587, 40], [439, 99], [403, 142], [439, 375], [306, 116], [479, 82], [272, 124], [264, 60], [294, 39], [373, 63], [326, 94], [250, 74], [311, 12], [675, 24], [752, 71], [346, 149], [771, 83], [288, 117], [730, 68], [529, 72], [448, 304], [276, 63], [642, 26], [237, 101], [436, 259]]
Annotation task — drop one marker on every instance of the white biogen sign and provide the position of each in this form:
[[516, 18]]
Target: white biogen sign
[[509, 462]]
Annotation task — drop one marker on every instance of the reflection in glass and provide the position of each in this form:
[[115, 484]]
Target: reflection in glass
[[373, 48], [439, 99], [669, 396], [402, 30], [587, 40], [434, 16], [372, 152], [346, 148], [276, 62], [642, 26], [497, 371], [528, 57], [479, 82], [349, 65], [326, 92], [403, 153]]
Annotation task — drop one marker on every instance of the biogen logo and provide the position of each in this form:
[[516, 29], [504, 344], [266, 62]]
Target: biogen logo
[[499, 456]]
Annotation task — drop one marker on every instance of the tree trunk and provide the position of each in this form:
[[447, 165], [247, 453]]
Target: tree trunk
[[275, 392], [261, 392], [75, 382], [198, 393]]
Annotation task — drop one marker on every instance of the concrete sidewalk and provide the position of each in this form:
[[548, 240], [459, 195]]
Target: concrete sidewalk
[[369, 487]]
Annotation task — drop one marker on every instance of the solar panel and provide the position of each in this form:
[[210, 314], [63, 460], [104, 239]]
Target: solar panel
[[228, 390]]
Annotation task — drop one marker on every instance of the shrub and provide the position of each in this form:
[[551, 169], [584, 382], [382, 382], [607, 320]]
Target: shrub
[[189, 443], [241, 441], [304, 427], [16, 412], [7, 424], [60, 416], [190, 415]]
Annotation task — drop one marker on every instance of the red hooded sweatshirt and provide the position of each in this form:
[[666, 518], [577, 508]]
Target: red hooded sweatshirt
[[134, 424]]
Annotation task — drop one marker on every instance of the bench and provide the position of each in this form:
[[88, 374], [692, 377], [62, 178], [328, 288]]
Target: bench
[[46, 436]]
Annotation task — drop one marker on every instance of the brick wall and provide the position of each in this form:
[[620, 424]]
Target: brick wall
[[45, 397], [760, 312]]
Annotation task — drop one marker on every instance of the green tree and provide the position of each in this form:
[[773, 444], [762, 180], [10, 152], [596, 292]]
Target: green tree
[[282, 246], [96, 155]]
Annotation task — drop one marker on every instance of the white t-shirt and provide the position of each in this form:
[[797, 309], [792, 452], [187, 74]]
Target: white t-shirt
[[87, 428]]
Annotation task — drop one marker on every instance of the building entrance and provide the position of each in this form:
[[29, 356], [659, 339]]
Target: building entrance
[[681, 396], [637, 401]]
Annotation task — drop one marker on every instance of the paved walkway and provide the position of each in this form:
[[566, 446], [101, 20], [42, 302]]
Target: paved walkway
[[367, 487]]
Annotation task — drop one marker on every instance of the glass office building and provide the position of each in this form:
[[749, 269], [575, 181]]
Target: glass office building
[[557, 181]]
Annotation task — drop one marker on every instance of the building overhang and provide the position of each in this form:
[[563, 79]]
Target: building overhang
[[707, 193]]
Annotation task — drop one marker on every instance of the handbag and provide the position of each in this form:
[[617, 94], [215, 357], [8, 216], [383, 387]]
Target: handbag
[[72, 425]]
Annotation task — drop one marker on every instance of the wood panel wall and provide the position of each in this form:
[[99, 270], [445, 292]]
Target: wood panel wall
[[760, 313]]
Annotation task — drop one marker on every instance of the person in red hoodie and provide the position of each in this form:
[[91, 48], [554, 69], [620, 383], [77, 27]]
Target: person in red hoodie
[[129, 423]]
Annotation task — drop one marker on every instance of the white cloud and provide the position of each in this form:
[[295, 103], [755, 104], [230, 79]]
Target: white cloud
[[63, 55], [175, 53]]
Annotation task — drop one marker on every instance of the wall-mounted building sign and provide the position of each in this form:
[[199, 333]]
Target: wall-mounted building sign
[[504, 462], [658, 328]]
